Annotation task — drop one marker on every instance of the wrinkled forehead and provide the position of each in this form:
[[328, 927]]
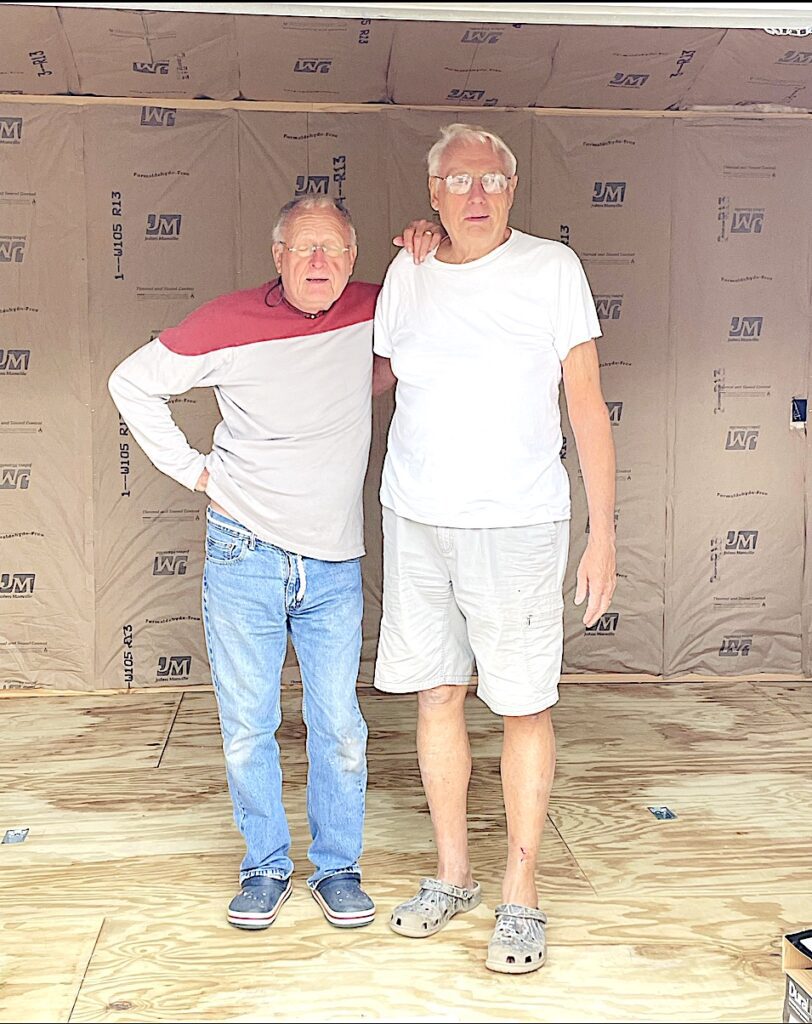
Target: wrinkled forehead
[[470, 155], [317, 226]]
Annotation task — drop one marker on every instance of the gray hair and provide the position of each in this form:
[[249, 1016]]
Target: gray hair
[[289, 210], [452, 133]]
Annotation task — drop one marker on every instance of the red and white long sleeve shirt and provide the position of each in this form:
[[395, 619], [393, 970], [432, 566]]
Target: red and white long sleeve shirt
[[290, 454]]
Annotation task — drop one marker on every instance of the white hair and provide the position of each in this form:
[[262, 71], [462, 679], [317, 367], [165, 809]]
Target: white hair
[[289, 210], [452, 133]]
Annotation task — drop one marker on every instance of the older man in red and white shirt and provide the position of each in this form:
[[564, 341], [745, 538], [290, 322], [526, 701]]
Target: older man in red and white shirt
[[291, 366]]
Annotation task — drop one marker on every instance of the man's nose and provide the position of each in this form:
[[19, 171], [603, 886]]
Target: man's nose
[[317, 258], [477, 192]]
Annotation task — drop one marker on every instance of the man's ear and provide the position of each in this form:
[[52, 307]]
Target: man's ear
[[276, 253], [514, 181], [435, 203]]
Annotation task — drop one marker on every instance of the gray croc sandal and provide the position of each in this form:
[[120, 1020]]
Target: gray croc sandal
[[518, 945], [433, 907]]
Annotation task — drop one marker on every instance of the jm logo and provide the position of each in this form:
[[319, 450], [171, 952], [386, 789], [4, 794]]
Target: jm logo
[[158, 117], [628, 81], [736, 645], [796, 57], [14, 478], [742, 439], [11, 129], [609, 193], [605, 626], [15, 360], [170, 565], [609, 307], [151, 67], [615, 412], [745, 328], [312, 184], [467, 95], [313, 66], [17, 582], [176, 666], [12, 250], [741, 542], [747, 222], [163, 226], [481, 35]]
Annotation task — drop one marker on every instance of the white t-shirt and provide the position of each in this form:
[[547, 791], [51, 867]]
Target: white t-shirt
[[477, 351]]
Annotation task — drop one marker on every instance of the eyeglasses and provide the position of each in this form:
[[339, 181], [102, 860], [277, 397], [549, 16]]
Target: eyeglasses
[[460, 184], [310, 250]]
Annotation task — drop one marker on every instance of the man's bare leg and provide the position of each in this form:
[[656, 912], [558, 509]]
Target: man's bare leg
[[444, 755], [528, 766]]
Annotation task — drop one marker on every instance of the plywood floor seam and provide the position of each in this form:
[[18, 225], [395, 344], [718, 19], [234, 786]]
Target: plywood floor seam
[[84, 972], [113, 908], [169, 729], [551, 824]]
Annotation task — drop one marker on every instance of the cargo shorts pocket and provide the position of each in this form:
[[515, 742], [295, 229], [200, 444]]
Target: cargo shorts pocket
[[543, 637], [543, 613]]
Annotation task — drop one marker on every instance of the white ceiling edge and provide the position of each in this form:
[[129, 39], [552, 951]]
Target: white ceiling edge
[[748, 15]]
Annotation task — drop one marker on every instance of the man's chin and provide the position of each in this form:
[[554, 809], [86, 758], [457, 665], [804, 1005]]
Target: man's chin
[[312, 299], [315, 293], [480, 231]]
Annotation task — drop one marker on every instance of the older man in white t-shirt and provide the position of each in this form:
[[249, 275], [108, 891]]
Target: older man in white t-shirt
[[476, 512]]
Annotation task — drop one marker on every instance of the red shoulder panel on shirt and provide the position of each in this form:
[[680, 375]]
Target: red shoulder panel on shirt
[[256, 314]]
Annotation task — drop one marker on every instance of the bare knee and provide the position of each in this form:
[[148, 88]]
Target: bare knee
[[441, 698], [540, 720]]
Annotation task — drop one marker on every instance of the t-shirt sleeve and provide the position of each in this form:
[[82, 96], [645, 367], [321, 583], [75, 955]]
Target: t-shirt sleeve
[[576, 318], [385, 323]]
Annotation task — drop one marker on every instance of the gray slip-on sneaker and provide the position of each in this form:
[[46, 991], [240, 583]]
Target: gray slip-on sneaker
[[342, 900], [258, 902]]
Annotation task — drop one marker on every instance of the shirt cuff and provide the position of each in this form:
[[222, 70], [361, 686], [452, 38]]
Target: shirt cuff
[[190, 476]]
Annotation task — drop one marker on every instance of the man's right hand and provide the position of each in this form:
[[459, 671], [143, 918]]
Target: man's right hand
[[203, 481], [420, 237]]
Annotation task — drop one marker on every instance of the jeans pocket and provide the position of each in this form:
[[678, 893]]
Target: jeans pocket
[[225, 548]]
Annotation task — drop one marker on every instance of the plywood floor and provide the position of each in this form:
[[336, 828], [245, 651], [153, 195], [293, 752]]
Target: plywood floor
[[113, 909]]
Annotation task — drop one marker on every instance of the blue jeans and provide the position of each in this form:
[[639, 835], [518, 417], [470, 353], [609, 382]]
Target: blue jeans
[[254, 594]]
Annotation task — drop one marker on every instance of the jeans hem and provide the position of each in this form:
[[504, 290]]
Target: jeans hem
[[280, 876], [316, 880]]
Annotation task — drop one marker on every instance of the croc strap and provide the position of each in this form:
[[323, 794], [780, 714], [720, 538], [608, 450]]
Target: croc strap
[[458, 892], [517, 910]]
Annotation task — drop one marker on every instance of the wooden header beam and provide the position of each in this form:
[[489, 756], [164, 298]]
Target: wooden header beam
[[358, 108]]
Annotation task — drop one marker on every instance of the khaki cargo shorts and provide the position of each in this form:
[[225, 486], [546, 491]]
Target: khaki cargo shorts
[[452, 596]]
